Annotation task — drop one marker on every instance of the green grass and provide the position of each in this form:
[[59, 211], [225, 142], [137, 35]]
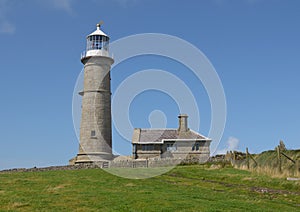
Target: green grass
[[270, 158], [267, 163], [185, 188]]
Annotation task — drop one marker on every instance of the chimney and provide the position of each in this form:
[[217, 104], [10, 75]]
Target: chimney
[[183, 123]]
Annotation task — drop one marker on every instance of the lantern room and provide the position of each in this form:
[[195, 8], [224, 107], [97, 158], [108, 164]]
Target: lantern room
[[97, 44]]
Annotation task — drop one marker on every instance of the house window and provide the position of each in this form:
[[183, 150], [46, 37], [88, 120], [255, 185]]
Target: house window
[[171, 147], [93, 133], [196, 147], [147, 147]]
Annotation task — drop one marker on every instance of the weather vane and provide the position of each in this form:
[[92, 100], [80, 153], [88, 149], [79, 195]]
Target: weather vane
[[100, 23]]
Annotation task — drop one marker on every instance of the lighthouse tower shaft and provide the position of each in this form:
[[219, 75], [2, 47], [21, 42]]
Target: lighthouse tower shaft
[[95, 126]]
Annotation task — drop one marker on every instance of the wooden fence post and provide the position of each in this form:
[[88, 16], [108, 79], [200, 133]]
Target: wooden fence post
[[247, 158], [279, 159], [233, 158], [297, 165]]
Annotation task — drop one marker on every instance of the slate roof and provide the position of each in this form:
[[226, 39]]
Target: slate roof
[[157, 135]]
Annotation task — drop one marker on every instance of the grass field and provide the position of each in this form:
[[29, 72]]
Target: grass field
[[185, 188], [267, 163]]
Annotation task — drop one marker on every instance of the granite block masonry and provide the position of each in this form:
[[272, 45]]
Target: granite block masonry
[[95, 126]]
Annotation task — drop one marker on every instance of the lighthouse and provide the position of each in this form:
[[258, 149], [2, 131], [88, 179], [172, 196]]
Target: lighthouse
[[95, 126]]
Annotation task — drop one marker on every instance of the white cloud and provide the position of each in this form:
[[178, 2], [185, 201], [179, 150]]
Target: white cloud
[[3, 6], [125, 3], [65, 5], [5, 26], [232, 144]]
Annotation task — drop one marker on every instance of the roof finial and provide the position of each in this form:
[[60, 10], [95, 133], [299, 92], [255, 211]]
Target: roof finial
[[99, 24]]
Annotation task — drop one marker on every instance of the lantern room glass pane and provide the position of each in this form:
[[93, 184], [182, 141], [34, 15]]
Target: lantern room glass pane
[[97, 42]]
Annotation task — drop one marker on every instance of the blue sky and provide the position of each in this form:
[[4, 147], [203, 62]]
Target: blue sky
[[253, 45]]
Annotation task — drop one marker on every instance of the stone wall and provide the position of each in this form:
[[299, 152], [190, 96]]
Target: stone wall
[[130, 163], [156, 162], [52, 168]]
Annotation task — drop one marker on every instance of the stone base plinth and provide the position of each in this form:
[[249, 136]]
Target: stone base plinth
[[91, 158]]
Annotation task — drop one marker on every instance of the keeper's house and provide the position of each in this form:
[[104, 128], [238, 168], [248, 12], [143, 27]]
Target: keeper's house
[[170, 143]]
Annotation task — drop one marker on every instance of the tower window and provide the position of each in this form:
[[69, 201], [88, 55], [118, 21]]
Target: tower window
[[93, 133]]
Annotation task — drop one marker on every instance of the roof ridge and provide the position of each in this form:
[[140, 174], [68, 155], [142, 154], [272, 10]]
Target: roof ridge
[[199, 134]]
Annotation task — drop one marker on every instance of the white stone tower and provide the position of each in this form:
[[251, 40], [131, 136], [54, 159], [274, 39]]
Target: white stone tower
[[95, 126]]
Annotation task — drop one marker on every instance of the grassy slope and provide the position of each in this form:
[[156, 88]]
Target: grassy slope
[[192, 188], [270, 158], [267, 163]]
